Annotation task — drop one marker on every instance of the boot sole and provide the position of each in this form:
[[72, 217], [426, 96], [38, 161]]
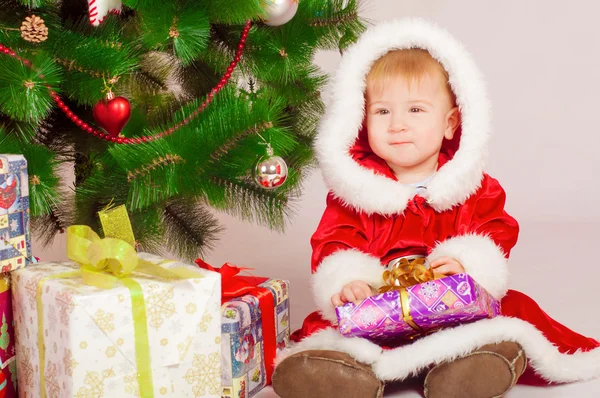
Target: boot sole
[[301, 376], [482, 374]]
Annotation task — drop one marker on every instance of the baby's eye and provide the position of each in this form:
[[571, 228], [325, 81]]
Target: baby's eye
[[382, 112], [416, 110]]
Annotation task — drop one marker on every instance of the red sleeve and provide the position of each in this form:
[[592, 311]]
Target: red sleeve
[[340, 255], [340, 229], [485, 236]]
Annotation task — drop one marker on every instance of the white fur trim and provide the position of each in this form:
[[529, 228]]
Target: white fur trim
[[361, 188], [338, 269], [330, 339], [449, 344], [481, 258]]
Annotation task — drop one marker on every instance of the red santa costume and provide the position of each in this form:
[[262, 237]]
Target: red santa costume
[[371, 219]]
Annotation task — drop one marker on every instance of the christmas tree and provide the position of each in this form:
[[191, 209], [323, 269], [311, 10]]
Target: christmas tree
[[173, 108]]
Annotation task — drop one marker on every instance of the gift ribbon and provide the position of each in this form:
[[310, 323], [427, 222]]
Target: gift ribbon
[[405, 273], [234, 285], [98, 259]]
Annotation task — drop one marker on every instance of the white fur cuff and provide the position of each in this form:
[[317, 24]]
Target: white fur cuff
[[481, 258], [338, 269]]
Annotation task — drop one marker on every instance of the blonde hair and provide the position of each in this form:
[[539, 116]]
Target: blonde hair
[[411, 64]]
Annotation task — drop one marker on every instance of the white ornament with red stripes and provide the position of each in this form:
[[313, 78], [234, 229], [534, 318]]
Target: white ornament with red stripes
[[99, 9]]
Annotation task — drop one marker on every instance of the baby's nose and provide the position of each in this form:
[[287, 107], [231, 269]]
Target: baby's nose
[[397, 125]]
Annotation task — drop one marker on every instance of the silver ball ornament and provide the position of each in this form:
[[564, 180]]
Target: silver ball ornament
[[280, 12], [270, 171]]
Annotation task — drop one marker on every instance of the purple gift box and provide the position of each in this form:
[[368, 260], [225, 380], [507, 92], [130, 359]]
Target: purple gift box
[[417, 310]]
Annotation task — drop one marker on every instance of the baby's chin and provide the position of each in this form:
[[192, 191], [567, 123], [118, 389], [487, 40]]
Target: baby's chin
[[407, 163]]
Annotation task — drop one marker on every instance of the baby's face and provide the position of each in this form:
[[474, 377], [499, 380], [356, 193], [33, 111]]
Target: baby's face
[[408, 120]]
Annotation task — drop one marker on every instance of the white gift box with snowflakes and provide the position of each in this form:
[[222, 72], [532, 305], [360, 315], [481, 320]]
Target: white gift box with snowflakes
[[89, 335]]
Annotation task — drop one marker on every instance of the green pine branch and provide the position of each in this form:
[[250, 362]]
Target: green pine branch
[[165, 57]]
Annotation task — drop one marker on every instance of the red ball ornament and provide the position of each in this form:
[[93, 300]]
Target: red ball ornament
[[112, 114]]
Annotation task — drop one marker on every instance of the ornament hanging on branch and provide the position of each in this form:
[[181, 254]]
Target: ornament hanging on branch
[[270, 171], [99, 9], [112, 113], [34, 30], [280, 12]]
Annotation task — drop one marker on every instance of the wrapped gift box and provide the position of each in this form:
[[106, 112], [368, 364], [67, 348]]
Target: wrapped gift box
[[242, 347], [8, 378], [15, 241], [89, 339], [417, 310]]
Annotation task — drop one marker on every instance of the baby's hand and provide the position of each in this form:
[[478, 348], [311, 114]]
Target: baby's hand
[[352, 292], [446, 266]]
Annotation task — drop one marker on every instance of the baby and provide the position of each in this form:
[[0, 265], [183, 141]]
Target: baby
[[402, 149], [410, 110]]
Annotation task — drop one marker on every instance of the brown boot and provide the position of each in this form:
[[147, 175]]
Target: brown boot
[[325, 374], [488, 372]]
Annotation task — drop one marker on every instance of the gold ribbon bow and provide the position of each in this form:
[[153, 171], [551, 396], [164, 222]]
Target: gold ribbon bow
[[103, 263], [406, 273]]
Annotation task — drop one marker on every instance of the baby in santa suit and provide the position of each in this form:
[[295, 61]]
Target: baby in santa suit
[[402, 148]]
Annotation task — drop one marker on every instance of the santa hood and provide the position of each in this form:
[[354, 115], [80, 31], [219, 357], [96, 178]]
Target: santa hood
[[348, 165]]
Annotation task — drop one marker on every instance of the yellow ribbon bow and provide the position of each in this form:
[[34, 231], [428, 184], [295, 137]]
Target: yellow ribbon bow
[[99, 258]]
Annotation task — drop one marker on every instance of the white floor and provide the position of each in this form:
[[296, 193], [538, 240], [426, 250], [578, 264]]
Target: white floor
[[554, 264], [589, 389]]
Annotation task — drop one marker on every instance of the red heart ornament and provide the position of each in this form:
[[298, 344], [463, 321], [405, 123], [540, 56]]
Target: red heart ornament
[[112, 114]]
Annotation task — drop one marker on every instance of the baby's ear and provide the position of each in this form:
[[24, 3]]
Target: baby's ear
[[452, 122]]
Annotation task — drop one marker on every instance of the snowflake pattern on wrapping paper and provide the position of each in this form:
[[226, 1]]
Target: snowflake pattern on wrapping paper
[[206, 319], [104, 321], [31, 289], [52, 319], [26, 367], [51, 379], [184, 347], [159, 304], [132, 387], [368, 316], [69, 363], [66, 305], [429, 289], [205, 374], [95, 384]]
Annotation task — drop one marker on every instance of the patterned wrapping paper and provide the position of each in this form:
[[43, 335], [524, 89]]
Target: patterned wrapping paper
[[89, 334], [242, 340], [8, 378], [15, 241], [439, 303]]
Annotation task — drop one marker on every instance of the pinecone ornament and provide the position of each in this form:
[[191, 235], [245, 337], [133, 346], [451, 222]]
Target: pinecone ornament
[[34, 30]]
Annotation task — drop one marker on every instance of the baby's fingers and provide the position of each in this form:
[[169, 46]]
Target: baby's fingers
[[447, 269], [440, 261], [360, 293], [336, 300], [347, 295]]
